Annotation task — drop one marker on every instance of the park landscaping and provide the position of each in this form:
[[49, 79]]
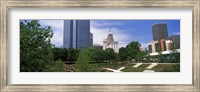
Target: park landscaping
[[161, 67], [37, 54]]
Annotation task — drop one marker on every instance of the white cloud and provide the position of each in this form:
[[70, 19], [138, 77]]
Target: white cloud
[[122, 44], [178, 33], [175, 33], [105, 24], [53, 23], [57, 38], [57, 27], [144, 45], [101, 33]]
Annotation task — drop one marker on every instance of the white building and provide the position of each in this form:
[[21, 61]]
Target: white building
[[110, 43], [163, 45]]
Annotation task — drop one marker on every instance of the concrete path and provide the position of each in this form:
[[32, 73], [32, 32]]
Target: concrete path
[[118, 70], [137, 65], [148, 71], [152, 65], [121, 68], [113, 70]]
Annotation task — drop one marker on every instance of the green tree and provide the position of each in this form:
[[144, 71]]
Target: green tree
[[141, 54], [72, 55], [56, 66], [82, 63], [160, 56], [132, 49], [60, 53], [110, 55], [35, 46], [96, 54], [122, 54], [174, 54]]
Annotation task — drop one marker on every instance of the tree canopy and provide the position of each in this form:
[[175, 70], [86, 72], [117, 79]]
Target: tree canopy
[[122, 53], [35, 46], [132, 49]]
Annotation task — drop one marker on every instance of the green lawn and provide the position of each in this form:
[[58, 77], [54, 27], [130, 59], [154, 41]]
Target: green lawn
[[130, 68], [167, 68], [98, 67]]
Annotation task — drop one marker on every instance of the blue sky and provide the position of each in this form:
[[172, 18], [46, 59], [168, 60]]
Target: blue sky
[[124, 31]]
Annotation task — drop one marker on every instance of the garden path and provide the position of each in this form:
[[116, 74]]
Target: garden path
[[152, 65], [137, 65], [114, 70]]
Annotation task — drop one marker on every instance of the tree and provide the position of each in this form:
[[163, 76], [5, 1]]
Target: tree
[[160, 55], [132, 49], [174, 54], [72, 55], [140, 55], [109, 54], [82, 63], [96, 54], [35, 46], [60, 53], [57, 66], [122, 54]]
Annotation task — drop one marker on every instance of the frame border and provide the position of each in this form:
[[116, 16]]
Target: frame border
[[4, 46]]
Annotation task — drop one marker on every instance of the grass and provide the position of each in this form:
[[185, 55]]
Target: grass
[[98, 67], [114, 65], [167, 68], [130, 68], [100, 70]]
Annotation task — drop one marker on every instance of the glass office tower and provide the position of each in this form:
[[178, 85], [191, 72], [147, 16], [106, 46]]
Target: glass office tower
[[76, 34]]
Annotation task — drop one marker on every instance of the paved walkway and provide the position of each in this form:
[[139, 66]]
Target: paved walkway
[[118, 70], [121, 68], [152, 65], [137, 65], [148, 71]]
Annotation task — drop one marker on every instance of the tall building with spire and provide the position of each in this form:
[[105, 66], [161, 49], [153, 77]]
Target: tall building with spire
[[77, 34], [109, 42]]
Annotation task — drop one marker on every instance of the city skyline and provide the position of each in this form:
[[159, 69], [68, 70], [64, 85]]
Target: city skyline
[[124, 31]]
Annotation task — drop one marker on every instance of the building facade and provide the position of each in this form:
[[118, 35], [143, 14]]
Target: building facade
[[161, 41], [97, 46], [162, 45], [110, 43], [159, 31], [76, 34], [176, 40]]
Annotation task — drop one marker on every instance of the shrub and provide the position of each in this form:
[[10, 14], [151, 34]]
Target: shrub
[[56, 66], [82, 63]]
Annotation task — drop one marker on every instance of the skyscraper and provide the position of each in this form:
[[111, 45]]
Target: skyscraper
[[159, 31], [76, 34], [176, 40]]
